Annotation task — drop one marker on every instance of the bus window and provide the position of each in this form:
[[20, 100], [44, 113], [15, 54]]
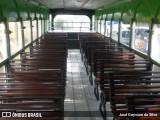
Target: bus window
[[17, 57], [99, 26], [43, 26], [50, 22], [125, 33], [72, 23], [27, 32], [102, 26], [93, 23], [27, 50], [155, 48], [3, 45], [34, 29], [2, 69], [140, 37], [114, 35], [46, 25], [108, 28], [15, 37], [39, 28]]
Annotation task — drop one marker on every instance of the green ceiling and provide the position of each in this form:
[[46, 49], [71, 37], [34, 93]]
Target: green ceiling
[[139, 10], [15, 10]]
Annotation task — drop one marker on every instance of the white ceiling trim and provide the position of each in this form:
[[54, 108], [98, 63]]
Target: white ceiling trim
[[75, 4]]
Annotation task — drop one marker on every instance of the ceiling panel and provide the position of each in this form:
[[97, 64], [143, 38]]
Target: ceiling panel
[[75, 4]]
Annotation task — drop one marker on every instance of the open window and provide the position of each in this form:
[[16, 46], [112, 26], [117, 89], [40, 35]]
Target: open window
[[3, 44], [93, 22], [2, 69], [15, 37], [46, 25], [155, 42], [99, 26], [108, 28], [114, 35], [39, 28], [34, 29], [102, 26], [50, 22], [125, 33], [72, 23], [43, 27], [140, 37], [27, 32]]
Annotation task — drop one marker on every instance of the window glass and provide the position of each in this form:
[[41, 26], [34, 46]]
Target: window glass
[[99, 26], [27, 50], [39, 28], [114, 35], [34, 29], [15, 37], [102, 26], [2, 69], [125, 33], [17, 57], [3, 45], [108, 28], [72, 23], [43, 25], [47, 25], [27, 32], [155, 48], [96, 25], [50, 22], [93, 22], [140, 37]]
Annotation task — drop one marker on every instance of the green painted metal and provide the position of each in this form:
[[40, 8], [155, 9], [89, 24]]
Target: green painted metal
[[45, 13], [139, 10], [98, 13], [16, 10], [1, 14], [127, 13], [9, 9], [157, 14], [38, 11], [118, 11], [28, 12], [31, 10], [146, 10], [42, 13], [22, 9], [110, 13]]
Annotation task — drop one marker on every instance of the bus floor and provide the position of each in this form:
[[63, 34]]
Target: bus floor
[[80, 102]]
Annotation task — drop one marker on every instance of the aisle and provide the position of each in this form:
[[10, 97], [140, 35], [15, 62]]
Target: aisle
[[80, 99]]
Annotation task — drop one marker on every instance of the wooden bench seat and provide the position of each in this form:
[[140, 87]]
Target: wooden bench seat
[[146, 104], [105, 54], [90, 48], [114, 65], [49, 47], [50, 53], [104, 48], [32, 91], [133, 83], [117, 64], [95, 43], [36, 82]]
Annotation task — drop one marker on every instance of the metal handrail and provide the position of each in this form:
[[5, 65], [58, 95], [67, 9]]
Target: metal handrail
[[72, 26]]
